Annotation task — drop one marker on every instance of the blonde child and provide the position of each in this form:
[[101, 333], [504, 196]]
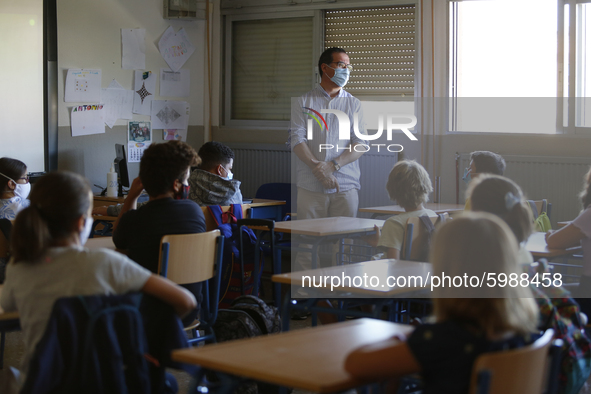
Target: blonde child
[[50, 260], [464, 328], [409, 186]]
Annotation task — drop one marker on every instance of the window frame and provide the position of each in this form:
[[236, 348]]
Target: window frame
[[276, 9]]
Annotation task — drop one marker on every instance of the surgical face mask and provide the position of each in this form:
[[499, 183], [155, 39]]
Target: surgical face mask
[[467, 176], [229, 176], [341, 76], [22, 190], [87, 229]]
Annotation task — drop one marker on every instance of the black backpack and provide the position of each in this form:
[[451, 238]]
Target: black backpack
[[247, 317]]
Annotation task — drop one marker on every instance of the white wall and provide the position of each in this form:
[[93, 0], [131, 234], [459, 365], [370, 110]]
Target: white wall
[[89, 36]]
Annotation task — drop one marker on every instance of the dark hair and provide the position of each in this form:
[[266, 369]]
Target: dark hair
[[326, 57], [11, 168], [488, 162], [213, 154], [488, 193], [586, 193], [57, 202], [164, 163]]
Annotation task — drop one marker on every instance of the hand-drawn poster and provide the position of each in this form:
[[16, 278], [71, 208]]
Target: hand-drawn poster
[[83, 86], [144, 85], [174, 134], [87, 119], [117, 103], [170, 114], [175, 48], [133, 53], [175, 83], [139, 137]]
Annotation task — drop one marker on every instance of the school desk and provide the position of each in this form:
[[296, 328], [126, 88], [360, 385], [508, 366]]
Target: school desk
[[310, 359], [563, 224], [100, 242], [397, 209], [380, 293], [537, 246]]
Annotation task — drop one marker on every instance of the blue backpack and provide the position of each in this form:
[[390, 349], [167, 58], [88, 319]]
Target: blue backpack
[[235, 280]]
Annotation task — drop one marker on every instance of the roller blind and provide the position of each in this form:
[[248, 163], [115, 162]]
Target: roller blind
[[271, 61], [380, 42]]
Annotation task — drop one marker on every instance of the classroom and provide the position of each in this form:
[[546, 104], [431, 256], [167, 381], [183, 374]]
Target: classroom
[[449, 78]]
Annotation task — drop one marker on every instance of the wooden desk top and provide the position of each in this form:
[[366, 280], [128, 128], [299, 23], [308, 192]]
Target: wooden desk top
[[261, 202], [537, 246], [309, 359], [397, 209], [321, 227], [563, 224], [380, 268], [100, 242]]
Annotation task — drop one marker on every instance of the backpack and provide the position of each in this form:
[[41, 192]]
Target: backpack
[[231, 276], [541, 220], [247, 317]]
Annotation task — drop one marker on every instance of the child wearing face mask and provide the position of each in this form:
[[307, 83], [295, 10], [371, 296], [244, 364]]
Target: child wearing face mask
[[14, 187], [164, 171], [49, 260]]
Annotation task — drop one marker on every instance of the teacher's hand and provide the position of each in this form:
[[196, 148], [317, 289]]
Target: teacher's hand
[[323, 169], [331, 182]]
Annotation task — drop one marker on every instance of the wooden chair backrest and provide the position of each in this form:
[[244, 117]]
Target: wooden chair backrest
[[418, 234], [541, 206], [518, 371], [191, 257], [209, 220]]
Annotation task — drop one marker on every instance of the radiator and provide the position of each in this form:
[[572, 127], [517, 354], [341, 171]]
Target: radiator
[[557, 179], [256, 164]]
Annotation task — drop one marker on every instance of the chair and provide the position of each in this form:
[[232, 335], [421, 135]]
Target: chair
[[192, 258], [539, 206], [210, 223], [518, 371], [415, 237], [278, 191]]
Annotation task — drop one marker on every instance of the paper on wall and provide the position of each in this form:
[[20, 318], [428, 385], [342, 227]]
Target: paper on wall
[[175, 48], [175, 83], [82, 86], [174, 134], [139, 137], [87, 119], [144, 85], [133, 53], [117, 103], [170, 114]]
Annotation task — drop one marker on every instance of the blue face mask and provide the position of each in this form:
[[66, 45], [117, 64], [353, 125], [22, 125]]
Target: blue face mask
[[229, 176], [341, 76], [467, 176]]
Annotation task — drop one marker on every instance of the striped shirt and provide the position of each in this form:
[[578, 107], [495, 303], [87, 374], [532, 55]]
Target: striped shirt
[[317, 99]]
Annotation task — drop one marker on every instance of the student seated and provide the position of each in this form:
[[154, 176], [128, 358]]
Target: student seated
[[14, 187], [51, 262], [408, 186], [503, 197], [466, 325], [578, 232], [211, 184], [483, 162], [164, 170]]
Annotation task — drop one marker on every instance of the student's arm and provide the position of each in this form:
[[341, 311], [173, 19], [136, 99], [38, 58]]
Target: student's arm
[[568, 236], [179, 298], [380, 361], [131, 200], [393, 253]]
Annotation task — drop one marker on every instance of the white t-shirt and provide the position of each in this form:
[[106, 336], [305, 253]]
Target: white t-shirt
[[395, 227], [32, 288], [583, 223]]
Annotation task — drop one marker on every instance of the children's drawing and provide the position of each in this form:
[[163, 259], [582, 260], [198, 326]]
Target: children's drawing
[[175, 48]]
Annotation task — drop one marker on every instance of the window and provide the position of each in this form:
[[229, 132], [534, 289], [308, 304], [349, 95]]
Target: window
[[271, 57], [527, 74]]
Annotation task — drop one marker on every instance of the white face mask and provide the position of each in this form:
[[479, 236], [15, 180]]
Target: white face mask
[[229, 174], [86, 231], [22, 190]]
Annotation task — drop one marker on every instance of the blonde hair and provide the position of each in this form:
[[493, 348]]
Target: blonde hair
[[503, 197], [409, 184], [471, 245]]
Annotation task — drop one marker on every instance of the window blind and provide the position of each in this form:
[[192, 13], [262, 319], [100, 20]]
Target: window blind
[[380, 42], [271, 61]]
